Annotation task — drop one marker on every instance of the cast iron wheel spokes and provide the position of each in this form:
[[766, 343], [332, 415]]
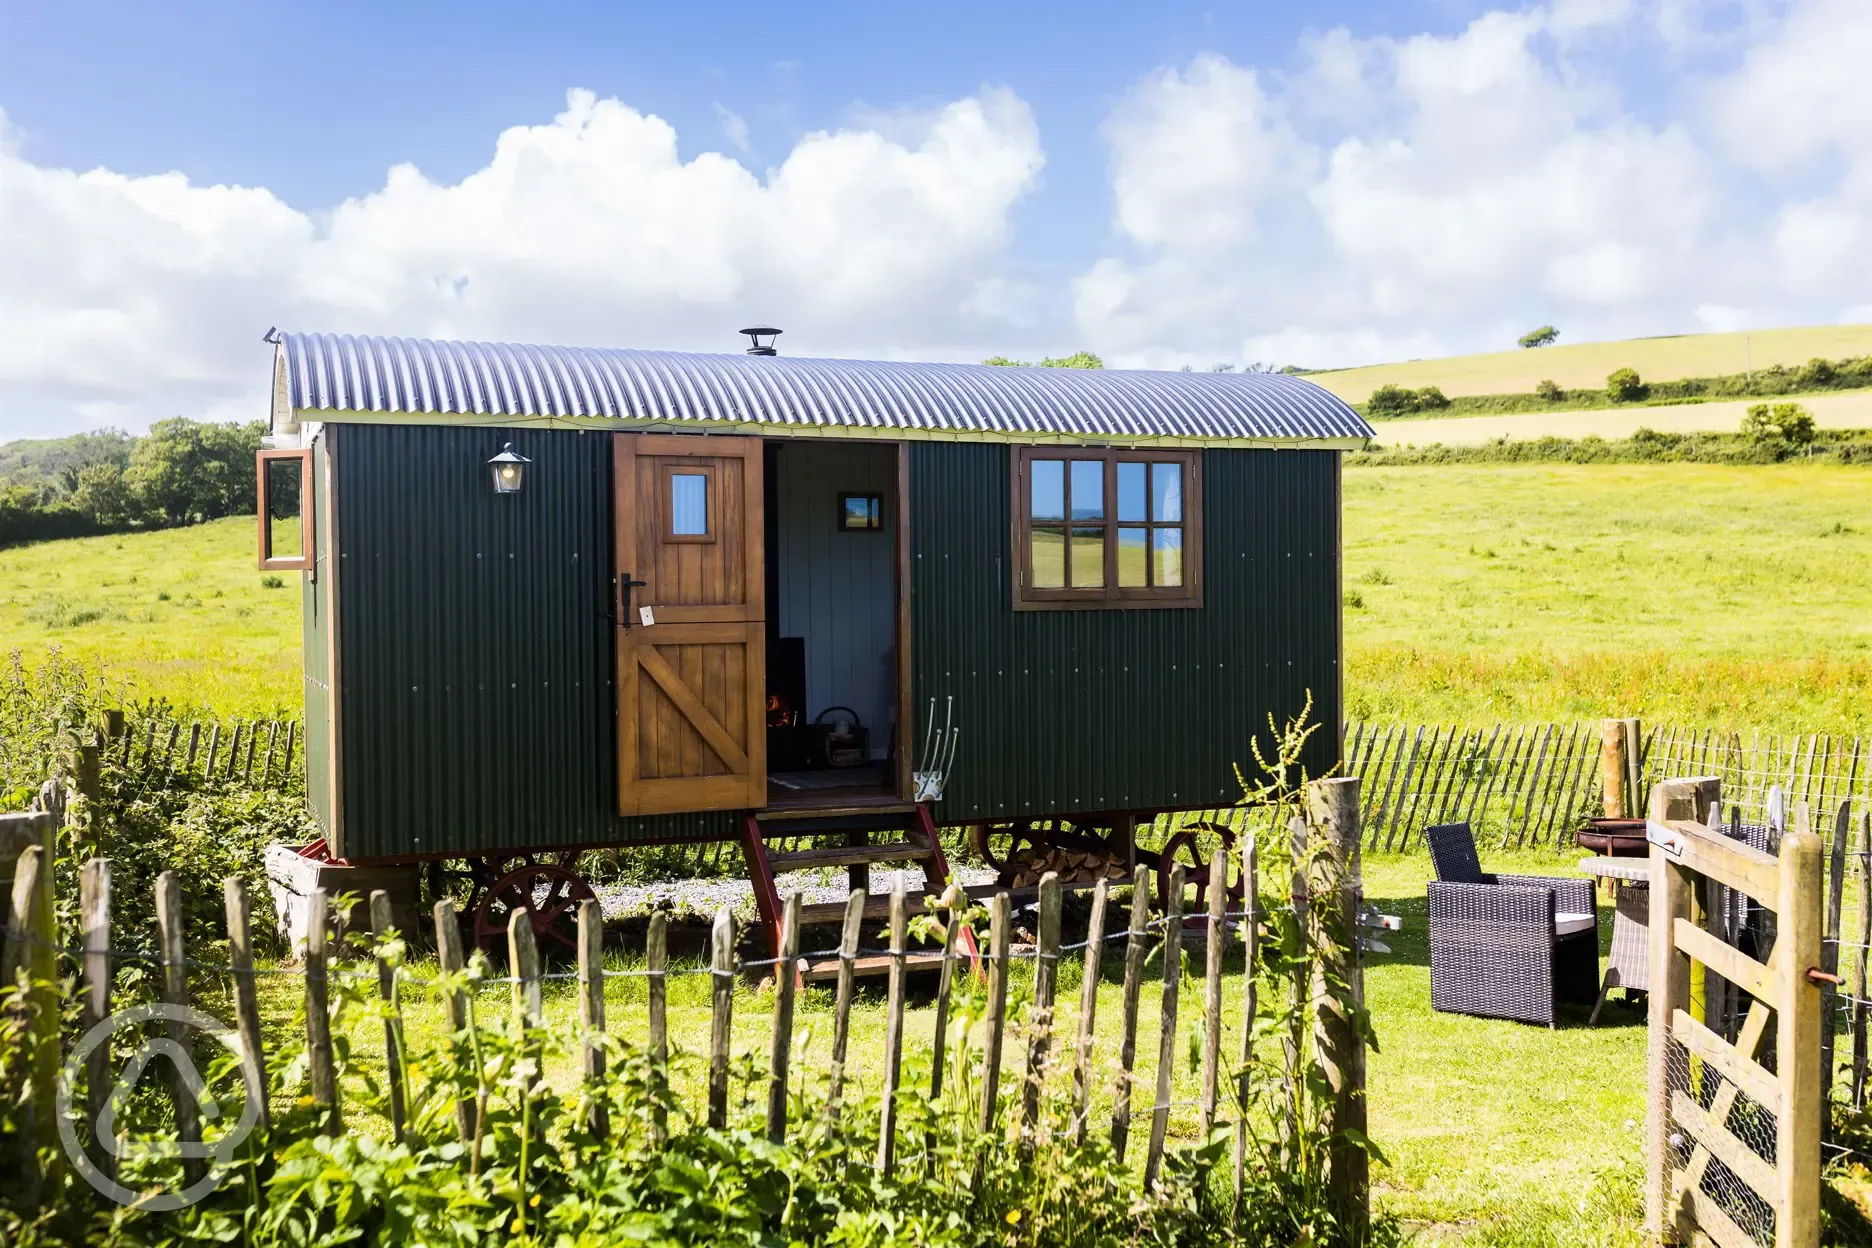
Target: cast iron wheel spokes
[[550, 895], [1011, 836], [1183, 849]]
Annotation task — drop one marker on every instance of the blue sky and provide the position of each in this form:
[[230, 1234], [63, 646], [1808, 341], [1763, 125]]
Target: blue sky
[[1321, 183]]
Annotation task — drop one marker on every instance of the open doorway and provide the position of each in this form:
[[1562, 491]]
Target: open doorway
[[833, 659]]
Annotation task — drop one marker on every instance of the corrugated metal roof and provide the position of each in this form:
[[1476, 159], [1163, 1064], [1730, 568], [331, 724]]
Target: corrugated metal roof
[[503, 381]]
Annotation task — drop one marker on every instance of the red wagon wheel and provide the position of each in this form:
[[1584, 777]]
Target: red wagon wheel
[[1183, 850], [550, 895]]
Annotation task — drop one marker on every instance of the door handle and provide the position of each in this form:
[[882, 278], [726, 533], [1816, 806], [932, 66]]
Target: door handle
[[625, 585]]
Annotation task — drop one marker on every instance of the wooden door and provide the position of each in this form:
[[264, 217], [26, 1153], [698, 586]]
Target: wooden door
[[692, 683]]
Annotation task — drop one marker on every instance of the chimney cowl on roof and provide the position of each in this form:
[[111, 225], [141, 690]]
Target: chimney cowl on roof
[[762, 348]]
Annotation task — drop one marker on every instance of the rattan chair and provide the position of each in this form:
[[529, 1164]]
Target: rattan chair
[[1507, 946]]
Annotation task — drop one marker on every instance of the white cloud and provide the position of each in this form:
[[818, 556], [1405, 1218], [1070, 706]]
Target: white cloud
[[140, 297], [733, 125], [1476, 181]]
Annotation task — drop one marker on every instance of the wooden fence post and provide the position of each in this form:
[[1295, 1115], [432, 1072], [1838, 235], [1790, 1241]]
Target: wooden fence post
[[94, 898], [1670, 991], [841, 1015], [214, 748], [523, 963], [292, 739], [322, 1075], [1167, 1029], [1614, 771], [29, 945], [656, 970], [1212, 988], [954, 901], [454, 1000], [786, 979], [1859, 965], [169, 926], [893, 1028], [194, 747], [998, 941], [1797, 1042], [1045, 988], [1334, 808], [246, 999], [721, 1030], [1135, 952], [1088, 1009], [394, 1082], [592, 1011], [1251, 950]]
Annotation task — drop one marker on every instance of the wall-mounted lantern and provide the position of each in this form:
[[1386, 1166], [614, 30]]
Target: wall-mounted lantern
[[509, 470]]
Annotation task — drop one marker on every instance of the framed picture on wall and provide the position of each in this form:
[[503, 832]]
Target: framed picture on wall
[[859, 513]]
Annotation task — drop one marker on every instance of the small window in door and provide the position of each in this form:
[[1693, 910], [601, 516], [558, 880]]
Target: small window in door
[[689, 503]]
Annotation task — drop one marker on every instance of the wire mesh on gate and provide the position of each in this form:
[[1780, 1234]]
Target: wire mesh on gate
[[1702, 1102]]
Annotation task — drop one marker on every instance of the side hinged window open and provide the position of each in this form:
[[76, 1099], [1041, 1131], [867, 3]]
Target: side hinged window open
[[285, 510], [1106, 528]]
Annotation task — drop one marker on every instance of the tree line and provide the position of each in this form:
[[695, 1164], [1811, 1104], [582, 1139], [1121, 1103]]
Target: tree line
[[181, 472]]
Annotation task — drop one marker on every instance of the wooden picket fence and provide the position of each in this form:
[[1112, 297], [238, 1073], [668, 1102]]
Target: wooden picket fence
[[1535, 784], [256, 753], [32, 940]]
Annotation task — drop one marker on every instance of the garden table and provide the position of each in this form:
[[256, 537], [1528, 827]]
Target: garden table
[[1628, 967]]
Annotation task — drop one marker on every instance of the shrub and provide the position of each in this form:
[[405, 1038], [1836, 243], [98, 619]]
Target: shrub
[[1625, 386], [270, 581], [1391, 401], [1786, 423], [1430, 398], [1550, 390], [1819, 373], [1545, 336]]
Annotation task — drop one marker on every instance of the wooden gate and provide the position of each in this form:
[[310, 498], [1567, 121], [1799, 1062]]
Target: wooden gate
[[1734, 1112]]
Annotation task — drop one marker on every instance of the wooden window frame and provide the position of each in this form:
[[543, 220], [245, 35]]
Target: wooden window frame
[[1110, 596], [666, 503], [306, 559], [844, 499]]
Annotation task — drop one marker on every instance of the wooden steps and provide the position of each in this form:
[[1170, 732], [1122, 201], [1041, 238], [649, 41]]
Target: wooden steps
[[872, 964], [847, 856]]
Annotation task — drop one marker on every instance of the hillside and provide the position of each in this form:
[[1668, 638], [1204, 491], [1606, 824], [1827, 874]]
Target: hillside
[[1582, 365]]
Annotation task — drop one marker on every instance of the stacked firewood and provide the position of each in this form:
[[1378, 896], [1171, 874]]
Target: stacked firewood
[[1074, 866]]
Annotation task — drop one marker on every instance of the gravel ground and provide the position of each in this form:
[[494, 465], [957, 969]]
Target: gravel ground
[[704, 897]]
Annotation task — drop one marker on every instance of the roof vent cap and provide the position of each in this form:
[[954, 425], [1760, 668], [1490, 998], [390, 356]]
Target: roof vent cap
[[761, 348]]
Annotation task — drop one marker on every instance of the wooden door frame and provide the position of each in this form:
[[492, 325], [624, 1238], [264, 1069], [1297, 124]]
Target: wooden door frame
[[906, 711]]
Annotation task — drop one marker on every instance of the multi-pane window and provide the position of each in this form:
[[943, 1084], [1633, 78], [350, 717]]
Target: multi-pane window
[[1106, 528]]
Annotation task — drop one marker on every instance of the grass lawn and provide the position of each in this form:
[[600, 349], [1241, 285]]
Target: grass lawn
[[1496, 1133], [1585, 364]]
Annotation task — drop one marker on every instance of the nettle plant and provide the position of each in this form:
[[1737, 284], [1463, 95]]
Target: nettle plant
[[1285, 1099]]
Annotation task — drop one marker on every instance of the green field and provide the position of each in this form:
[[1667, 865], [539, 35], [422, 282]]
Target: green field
[[1586, 364], [179, 613], [1850, 409], [1739, 596]]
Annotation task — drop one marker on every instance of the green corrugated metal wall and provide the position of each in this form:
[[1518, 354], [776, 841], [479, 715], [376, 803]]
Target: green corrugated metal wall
[[1120, 710], [476, 658], [476, 653]]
